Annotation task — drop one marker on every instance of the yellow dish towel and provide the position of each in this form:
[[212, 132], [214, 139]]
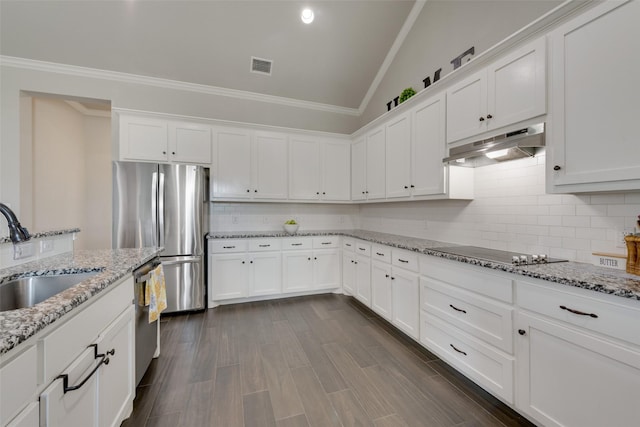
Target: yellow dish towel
[[156, 294]]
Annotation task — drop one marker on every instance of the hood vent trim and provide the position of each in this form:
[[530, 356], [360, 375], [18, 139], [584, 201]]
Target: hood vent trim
[[261, 65], [525, 142]]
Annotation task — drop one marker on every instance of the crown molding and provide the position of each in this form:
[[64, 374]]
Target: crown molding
[[395, 47], [74, 70]]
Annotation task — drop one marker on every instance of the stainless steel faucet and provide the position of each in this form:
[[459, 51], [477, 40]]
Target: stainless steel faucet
[[17, 233]]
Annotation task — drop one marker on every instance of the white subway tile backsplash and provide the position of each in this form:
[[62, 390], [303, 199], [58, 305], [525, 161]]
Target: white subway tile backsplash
[[576, 221]]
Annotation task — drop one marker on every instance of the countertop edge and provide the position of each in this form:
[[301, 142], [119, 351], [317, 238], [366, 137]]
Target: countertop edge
[[45, 234]]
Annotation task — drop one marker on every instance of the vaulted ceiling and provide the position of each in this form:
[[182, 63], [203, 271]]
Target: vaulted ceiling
[[332, 61]]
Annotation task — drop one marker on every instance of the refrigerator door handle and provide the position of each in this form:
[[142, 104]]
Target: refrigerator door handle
[[154, 206], [161, 210], [181, 260]]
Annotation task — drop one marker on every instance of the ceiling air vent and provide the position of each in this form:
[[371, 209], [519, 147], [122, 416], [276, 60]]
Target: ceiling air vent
[[261, 66]]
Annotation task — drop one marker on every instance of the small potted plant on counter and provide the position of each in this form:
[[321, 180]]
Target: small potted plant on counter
[[291, 226]]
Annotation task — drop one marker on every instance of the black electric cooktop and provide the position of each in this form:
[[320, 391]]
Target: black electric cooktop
[[494, 255]]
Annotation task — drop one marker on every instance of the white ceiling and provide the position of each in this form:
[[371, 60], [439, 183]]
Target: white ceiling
[[332, 61]]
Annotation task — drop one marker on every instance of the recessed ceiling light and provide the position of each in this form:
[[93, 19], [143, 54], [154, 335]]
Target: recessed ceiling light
[[307, 16]]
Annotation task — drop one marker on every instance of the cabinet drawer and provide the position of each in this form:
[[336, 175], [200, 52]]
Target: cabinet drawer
[[610, 319], [405, 259], [259, 245], [348, 245], [227, 245], [71, 338], [481, 317], [18, 383], [471, 278], [381, 253], [326, 242], [294, 243], [483, 364], [363, 248]]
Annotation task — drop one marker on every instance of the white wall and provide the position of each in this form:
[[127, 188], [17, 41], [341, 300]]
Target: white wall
[[71, 178], [512, 212], [443, 30], [271, 216]]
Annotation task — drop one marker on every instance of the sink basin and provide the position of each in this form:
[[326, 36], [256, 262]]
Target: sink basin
[[29, 291]]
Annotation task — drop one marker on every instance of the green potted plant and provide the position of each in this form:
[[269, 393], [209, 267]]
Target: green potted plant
[[406, 94], [291, 226]]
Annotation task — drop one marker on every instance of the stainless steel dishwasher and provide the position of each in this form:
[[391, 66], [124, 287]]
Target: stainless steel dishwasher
[[146, 333]]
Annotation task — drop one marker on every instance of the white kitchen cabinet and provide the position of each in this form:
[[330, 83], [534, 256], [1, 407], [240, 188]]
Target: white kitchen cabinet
[[228, 277], [18, 384], [326, 269], [376, 164], [359, 170], [297, 269], [363, 279], [592, 135], [29, 417], [161, 140], [405, 289], [116, 379], [320, 170], [349, 273], [567, 377], [265, 275], [249, 165], [510, 90], [381, 290], [398, 156], [189, 143]]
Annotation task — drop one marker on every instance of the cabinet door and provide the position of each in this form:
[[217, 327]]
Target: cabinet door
[[232, 173], [398, 157], [304, 169], [516, 86], [569, 378], [375, 165], [349, 274], [76, 407], [592, 127], [363, 280], [228, 276], [190, 143], [143, 139], [29, 417], [359, 170], [326, 269], [405, 290], [297, 271], [265, 273], [116, 384], [336, 173], [466, 107], [271, 154], [381, 299], [428, 147]]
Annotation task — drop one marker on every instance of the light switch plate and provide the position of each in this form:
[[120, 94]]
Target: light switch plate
[[46, 246], [23, 250]]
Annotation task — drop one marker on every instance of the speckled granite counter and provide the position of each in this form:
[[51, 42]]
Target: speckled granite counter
[[45, 234], [18, 325], [581, 275]]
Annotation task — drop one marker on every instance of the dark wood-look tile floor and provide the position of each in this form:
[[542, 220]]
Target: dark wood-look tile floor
[[312, 361]]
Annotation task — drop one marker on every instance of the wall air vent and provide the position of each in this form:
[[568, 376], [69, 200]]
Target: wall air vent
[[261, 66]]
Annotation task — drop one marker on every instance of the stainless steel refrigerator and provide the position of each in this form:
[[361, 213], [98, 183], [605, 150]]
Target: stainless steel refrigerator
[[165, 205]]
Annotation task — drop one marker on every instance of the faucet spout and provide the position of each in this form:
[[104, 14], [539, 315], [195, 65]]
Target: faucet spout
[[17, 232]]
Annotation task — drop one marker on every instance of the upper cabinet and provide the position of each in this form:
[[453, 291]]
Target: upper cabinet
[[159, 140], [319, 169], [359, 169], [249, 164], [508, 91], [592, 137]]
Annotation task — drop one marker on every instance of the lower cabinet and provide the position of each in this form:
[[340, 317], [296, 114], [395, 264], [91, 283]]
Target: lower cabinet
[[242, 275], [405, 296], [381, 299], [363, 279], [311, 270], [29, 417], [349, 273]]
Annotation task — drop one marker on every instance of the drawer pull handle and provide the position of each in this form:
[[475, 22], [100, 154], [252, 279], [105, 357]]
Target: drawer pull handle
[[325, 243], [362, 249], [296, 244], [458, 309], [379, 254], [228, 247], [348, 244], [264, 246], [403, 260], [103, 360], [459, 351], [581, 313]]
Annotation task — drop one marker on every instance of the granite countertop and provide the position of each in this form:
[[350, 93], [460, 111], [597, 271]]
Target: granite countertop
[[16, 326], [45, 234], [577, 274]]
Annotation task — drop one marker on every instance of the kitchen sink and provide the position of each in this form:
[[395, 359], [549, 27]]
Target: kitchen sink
[[29, 291]]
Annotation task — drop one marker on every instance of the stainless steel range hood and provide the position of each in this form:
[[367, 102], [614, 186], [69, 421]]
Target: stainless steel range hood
[[525, 142]]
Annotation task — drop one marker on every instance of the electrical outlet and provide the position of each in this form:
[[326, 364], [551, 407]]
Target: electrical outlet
[[234, 219], [46, 246], [23, 250], [265, 220]]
